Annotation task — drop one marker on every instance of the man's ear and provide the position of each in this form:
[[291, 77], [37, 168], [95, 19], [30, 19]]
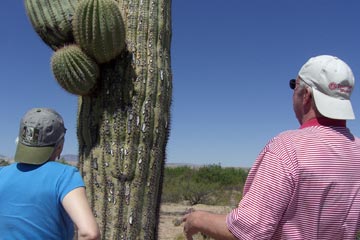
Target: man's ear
[[307, 95]]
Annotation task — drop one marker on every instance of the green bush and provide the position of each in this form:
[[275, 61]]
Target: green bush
[[3, 162], [210, 184], [197, 192]]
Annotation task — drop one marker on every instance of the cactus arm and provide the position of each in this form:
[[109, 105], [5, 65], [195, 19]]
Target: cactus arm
[[74, 70], [52, 19], [99, 29]]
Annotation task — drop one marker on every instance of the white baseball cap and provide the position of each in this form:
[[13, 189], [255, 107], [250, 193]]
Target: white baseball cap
[[332, 83]]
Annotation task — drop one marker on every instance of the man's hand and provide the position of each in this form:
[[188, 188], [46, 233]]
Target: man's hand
[[190, 228], [213, 225]]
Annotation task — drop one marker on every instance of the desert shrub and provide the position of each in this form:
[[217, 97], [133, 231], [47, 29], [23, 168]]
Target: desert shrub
[[3, 162], [229, 183], [174, 177], [210, 184], [226, 177], [63, 161], [197, 192]]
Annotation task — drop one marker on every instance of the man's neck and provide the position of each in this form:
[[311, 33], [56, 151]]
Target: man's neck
[[324, 122]]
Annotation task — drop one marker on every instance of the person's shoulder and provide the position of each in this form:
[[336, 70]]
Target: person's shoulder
[[9, 169], [11, 165], [286, 139], [288, 134], [60, 167]]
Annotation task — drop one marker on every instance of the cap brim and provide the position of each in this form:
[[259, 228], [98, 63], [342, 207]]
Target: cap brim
[[333, 108], [32, 155]]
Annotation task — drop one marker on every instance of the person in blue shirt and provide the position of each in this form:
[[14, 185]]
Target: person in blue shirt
[[41, 198]]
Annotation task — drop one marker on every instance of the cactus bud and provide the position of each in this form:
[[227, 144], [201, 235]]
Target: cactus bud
[[52, 19], [74, 70], [99, 29]]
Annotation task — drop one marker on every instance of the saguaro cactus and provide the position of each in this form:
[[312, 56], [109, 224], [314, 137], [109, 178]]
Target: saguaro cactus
[[123, 123], [99, 29], [52, 20], [74, 70]]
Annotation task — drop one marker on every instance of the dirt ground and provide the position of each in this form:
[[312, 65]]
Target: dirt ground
[[171, 227]]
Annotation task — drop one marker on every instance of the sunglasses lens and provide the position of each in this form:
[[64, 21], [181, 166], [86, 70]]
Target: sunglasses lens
[[292, 83]]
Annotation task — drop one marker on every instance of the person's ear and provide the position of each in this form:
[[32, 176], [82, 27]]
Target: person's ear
[[59, 149], [307, 95]]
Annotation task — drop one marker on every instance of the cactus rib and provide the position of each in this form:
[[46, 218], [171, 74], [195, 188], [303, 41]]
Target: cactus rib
[[99, 29], [74, 70]]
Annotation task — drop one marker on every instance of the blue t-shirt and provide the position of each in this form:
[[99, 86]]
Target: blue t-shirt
[[30, 201]]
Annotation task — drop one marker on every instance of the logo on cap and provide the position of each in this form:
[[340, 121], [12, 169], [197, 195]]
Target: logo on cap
[[30, 135], [342, 88]]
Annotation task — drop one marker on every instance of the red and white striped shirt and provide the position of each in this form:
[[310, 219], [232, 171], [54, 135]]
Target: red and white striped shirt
[[305, 184]]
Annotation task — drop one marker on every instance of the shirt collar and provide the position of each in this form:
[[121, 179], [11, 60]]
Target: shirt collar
[[323, 122]]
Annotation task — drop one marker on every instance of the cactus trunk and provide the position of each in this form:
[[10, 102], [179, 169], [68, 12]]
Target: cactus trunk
[[124, 107], [123, 126]]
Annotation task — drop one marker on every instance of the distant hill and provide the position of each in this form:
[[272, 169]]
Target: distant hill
[[174, 165], [73, 160], [8, 159], [70, 157]]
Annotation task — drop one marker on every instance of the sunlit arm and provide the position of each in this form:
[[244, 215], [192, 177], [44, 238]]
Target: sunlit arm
[[77, 206], [210, 224]]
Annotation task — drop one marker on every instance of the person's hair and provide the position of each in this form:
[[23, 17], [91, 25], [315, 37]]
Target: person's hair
[[61, 141], [56, 145], [303, 84]]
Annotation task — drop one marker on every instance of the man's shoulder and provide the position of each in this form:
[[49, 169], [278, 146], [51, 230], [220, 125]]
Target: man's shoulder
[[287, 135], [287, 140], [296, 133]]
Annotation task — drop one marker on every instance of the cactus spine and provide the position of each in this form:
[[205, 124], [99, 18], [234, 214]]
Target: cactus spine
[[74, 70], [99, 29], [51, 19], [123, 125]]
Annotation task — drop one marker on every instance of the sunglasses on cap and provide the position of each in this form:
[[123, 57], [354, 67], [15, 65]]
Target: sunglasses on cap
[[292, 84]]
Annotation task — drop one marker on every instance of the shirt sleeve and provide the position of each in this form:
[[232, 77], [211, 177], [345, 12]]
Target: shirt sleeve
[[69, 180], [269, 190]]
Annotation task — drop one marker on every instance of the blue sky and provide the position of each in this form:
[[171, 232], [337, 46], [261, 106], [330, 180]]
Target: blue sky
[[231, 62]]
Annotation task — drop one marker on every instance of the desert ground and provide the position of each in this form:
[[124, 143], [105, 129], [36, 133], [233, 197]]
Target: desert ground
[[171, 227]]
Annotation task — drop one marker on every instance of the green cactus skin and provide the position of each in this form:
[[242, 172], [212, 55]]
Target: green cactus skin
[[52, 19], [74, 70], [123, 130], [99, 29], [123, 125]]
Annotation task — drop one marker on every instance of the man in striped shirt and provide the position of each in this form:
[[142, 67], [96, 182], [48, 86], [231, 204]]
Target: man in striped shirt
[[305, 183]]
